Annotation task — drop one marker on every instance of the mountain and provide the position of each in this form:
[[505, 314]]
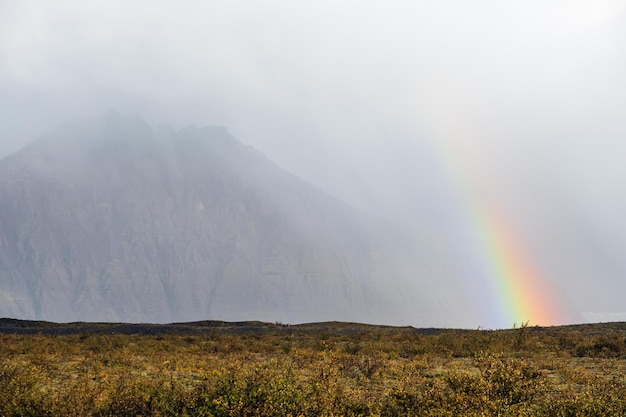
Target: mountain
[[114, 220]]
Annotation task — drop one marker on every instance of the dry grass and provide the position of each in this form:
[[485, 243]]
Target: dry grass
[[329, 370]]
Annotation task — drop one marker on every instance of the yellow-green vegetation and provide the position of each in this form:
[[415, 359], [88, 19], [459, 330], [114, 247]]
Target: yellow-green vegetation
[[329, 369]]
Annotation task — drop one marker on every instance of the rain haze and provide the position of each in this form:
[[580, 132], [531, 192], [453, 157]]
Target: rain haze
[[447, 118]]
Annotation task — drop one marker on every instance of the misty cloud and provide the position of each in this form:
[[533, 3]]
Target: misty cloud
[[408, 109]]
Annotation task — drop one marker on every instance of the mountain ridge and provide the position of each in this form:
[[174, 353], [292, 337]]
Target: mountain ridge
[[116, 220]]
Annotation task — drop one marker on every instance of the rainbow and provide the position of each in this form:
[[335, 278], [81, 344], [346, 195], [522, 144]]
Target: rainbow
[[510, 288], [522, 292]]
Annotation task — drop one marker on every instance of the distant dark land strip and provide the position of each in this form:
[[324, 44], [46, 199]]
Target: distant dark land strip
[[16, 326]]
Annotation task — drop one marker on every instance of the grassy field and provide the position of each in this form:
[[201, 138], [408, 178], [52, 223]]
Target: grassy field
[[326, 369]]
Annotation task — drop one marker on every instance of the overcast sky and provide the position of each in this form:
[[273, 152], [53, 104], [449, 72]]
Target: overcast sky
[[400, 107]]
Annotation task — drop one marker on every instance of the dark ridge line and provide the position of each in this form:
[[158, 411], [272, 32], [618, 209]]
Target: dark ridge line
[[208, 327]]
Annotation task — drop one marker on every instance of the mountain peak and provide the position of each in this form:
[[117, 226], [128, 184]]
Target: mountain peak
[[117, 221]]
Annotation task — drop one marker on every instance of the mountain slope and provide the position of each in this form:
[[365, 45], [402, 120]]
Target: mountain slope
[[114, 220]]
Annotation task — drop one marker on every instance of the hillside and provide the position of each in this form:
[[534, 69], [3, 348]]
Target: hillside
[[114, 220]]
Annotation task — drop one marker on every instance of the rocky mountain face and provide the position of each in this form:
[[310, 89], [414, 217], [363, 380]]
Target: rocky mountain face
[[114, 220]]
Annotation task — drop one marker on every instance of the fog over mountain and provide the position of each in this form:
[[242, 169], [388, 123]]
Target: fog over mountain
[[446, 119], [112, 220]]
